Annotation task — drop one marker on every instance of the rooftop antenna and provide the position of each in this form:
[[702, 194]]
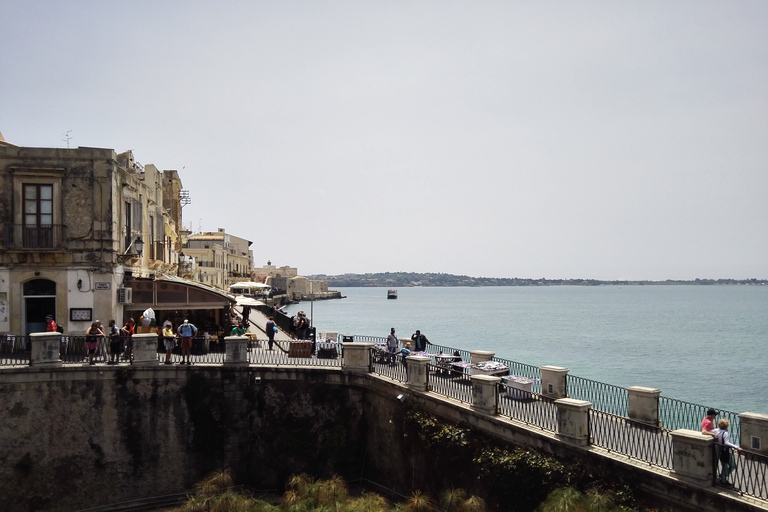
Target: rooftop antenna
[[67, 138]]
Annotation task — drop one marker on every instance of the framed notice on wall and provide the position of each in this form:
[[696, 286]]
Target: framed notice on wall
[[80, 314]]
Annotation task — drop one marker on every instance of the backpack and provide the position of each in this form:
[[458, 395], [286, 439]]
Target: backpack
[[59, 329], [725, 453]]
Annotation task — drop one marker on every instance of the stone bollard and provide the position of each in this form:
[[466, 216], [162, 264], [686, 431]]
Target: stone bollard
[[417, 372], [692, 456], [478, 356], [573, 420], [45, 349], [484, 393], [754, 432], [237, 351], [554, 381], [357, 357], [643, 405], [144, 349]]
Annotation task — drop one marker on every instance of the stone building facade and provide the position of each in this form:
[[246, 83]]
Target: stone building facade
[[74, 223], [222, 259]]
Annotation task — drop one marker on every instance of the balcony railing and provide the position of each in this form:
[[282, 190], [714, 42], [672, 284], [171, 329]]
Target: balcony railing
[[20, 236]]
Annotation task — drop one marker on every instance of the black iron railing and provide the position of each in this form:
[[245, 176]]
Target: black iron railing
[[604, 397], [532, 409], [388, 365], [283, 355], [744, 472], [14, 350], [675, 414], [22, 236], [450, 383], [650, 444]]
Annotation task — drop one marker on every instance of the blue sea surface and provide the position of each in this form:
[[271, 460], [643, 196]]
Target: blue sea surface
[[702, 344]]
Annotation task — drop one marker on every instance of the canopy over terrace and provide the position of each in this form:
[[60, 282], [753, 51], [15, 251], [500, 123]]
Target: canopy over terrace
[[176, 299]]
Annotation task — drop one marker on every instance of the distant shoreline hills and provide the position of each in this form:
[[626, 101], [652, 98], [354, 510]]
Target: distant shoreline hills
[[406, 279]]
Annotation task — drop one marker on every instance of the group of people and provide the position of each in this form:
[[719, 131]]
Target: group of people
[[419, 340], [723, 441], [302, 326]]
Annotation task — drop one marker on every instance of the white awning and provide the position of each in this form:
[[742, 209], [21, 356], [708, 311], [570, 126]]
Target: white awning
[[242, 300]]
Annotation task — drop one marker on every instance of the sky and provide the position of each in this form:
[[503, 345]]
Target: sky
[[555, 139]]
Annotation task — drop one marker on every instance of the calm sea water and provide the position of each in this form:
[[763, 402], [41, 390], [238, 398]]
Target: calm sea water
[[702, 344]]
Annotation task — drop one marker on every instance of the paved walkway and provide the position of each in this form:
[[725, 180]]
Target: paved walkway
[[257, 324]]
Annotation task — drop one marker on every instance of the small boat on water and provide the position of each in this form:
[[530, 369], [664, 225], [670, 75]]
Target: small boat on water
[[391, 294]]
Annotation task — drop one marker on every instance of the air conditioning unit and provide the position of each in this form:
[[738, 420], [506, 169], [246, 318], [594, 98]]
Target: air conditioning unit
[[125, 295]]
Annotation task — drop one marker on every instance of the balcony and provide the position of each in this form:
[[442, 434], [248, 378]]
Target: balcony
[[22, 237]]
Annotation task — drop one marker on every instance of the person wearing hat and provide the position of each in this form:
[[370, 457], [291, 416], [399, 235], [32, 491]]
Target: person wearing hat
[[187, 331], [50, 324], [708, 423]]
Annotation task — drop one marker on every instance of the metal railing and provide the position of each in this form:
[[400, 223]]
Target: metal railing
[[450, 383], [283, 355], [675, 414], [388, 365], [532, 409], [745, 473], [14, 350], [22, 236], [635, 440], [604, 397], [464, 354]]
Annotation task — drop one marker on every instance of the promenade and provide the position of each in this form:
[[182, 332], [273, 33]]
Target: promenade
[[634, 426]]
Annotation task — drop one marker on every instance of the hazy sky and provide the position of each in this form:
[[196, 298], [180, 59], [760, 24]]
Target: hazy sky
[[557, 139]]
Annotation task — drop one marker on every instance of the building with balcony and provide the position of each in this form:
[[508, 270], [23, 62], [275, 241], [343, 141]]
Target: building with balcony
[[78, 228], [222, 259]]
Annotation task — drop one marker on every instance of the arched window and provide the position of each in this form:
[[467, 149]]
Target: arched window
[[40, 287]]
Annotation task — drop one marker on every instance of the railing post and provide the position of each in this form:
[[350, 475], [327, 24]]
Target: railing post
[[356, 357], [478, 356], [573, 420], [417, 372], [484, 393], [754, 432], [692, 456], [237, 351], [45, 349], [643, 405], [144, 349], [554, 381]]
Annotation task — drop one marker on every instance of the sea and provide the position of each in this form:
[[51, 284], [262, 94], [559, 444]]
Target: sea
[[702, 344]]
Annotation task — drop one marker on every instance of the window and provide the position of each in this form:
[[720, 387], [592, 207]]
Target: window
[[38, 215]]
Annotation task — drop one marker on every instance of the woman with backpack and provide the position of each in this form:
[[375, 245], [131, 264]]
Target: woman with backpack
[[725, 450]]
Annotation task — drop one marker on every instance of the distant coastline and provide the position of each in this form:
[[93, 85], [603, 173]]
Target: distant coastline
[[407, 279]]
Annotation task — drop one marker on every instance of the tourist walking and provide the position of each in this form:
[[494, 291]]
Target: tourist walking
[[392, 346], [169, 340], [725, 450], [271, 330], [420, 342], [187, 331], [92, 336], [115, 343]]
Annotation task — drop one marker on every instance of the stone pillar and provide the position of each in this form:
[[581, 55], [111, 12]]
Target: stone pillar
[[357, 357], [485, 394], [478, 356], [45, 349], [573, 420], [754, 432], [554, 381], [144, 349], [237, 351], [643, 405], [692, 456], [417, 372]]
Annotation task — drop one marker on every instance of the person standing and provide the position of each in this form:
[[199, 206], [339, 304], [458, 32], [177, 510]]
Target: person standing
[[169, 340], [404, 353], [92, 336], [50, 324], [128, 330], [708, 423], [187, 331], [392, 345], [271, 329], [725, 450], [420, 341], [115, 343], [246, 315]]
